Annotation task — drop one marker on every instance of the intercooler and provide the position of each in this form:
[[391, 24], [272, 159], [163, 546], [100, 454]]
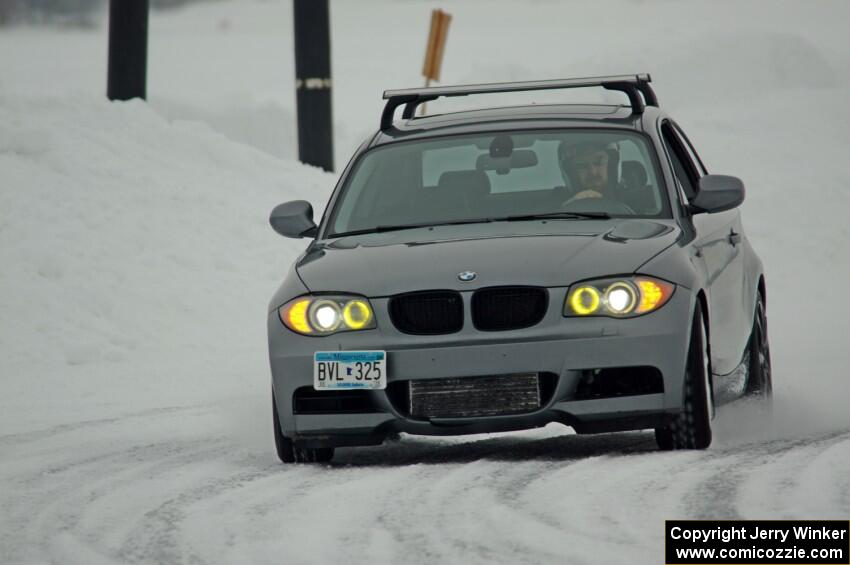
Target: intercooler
[[474, 396]]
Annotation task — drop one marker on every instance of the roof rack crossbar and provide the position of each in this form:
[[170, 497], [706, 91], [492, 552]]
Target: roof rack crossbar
[[636, 87]]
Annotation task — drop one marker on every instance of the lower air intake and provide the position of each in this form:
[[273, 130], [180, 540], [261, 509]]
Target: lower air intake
[[469, 397], [306, 400], [612, 382]]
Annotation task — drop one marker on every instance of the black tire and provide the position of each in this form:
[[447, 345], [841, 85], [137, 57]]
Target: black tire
[[691, 428], [759, 373], [288, 452]]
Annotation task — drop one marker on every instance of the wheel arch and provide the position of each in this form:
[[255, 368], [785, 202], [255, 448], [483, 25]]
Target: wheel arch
[[702, 304]]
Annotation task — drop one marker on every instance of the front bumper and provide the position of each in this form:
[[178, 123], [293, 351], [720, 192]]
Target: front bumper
[[566, 347]]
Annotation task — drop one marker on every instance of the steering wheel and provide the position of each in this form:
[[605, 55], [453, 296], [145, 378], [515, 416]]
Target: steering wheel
[[601, 204]]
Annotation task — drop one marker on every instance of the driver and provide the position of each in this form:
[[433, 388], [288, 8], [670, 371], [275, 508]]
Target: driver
[[586, 165]]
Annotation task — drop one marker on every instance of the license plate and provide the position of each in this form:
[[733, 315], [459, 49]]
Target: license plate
[[349, 369]]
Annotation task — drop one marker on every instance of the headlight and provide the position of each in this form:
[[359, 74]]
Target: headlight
[[325, 315], [617, 297]]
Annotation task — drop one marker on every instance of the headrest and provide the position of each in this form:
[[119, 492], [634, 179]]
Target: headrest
[[469, 182], [633, 174]]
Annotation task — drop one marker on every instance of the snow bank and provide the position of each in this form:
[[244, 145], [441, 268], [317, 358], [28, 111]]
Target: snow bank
[[138, 256]]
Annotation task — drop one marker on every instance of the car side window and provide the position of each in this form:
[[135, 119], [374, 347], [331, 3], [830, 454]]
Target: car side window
[[683, 168]]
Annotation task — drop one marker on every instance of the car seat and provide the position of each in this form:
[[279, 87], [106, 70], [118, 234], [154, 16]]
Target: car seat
[[634, 190], [458, 195]]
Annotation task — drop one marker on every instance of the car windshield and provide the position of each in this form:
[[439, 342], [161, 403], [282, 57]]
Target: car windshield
[[564, 174]]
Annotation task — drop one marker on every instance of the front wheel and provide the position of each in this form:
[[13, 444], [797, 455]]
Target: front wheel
[[288, 452], [691, 428]]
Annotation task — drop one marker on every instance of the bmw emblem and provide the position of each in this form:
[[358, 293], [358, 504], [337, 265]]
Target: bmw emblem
[[467, 276]]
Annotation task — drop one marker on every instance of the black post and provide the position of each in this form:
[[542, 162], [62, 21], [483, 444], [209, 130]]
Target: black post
[[313, 83], [128, 49]]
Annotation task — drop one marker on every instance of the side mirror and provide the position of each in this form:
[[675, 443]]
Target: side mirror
[[718, 193], [294, 219]]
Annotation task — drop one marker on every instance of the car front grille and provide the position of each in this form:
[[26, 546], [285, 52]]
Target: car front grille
[[508, 307], [427, 313], [466, 397]]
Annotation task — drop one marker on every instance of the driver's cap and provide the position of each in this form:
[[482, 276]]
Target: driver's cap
[[569, 151]]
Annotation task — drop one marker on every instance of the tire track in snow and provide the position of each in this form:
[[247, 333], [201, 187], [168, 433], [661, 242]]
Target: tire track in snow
[[60, 480], [170, 487], [157, 535], [479, 494], [805, 478], [25, 437], [717, 494]]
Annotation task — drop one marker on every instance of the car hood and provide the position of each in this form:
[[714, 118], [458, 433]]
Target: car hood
[[543, 253]]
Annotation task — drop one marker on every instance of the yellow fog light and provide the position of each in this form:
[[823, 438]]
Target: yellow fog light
[[294, 316], [585, 300], [356, 314]]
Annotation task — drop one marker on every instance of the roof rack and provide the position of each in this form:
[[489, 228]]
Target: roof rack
[[634, 86]]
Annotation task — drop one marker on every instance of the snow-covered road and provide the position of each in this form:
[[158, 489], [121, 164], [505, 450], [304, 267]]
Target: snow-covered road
[[168, 486], [136, 263]]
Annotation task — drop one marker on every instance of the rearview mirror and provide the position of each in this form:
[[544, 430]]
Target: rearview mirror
[[718, 193], [518, 159], [294, 219]]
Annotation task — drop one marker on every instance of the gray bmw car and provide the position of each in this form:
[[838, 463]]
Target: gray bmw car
[[505, 268]]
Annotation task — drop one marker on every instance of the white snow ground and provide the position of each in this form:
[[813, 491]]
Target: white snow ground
[[137, 263]]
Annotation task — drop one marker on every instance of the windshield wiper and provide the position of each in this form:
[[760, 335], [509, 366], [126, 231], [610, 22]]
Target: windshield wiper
[[557, 216], [386, 228], [519, 218]]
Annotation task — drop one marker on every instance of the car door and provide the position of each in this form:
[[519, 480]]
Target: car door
[[719, 252]]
